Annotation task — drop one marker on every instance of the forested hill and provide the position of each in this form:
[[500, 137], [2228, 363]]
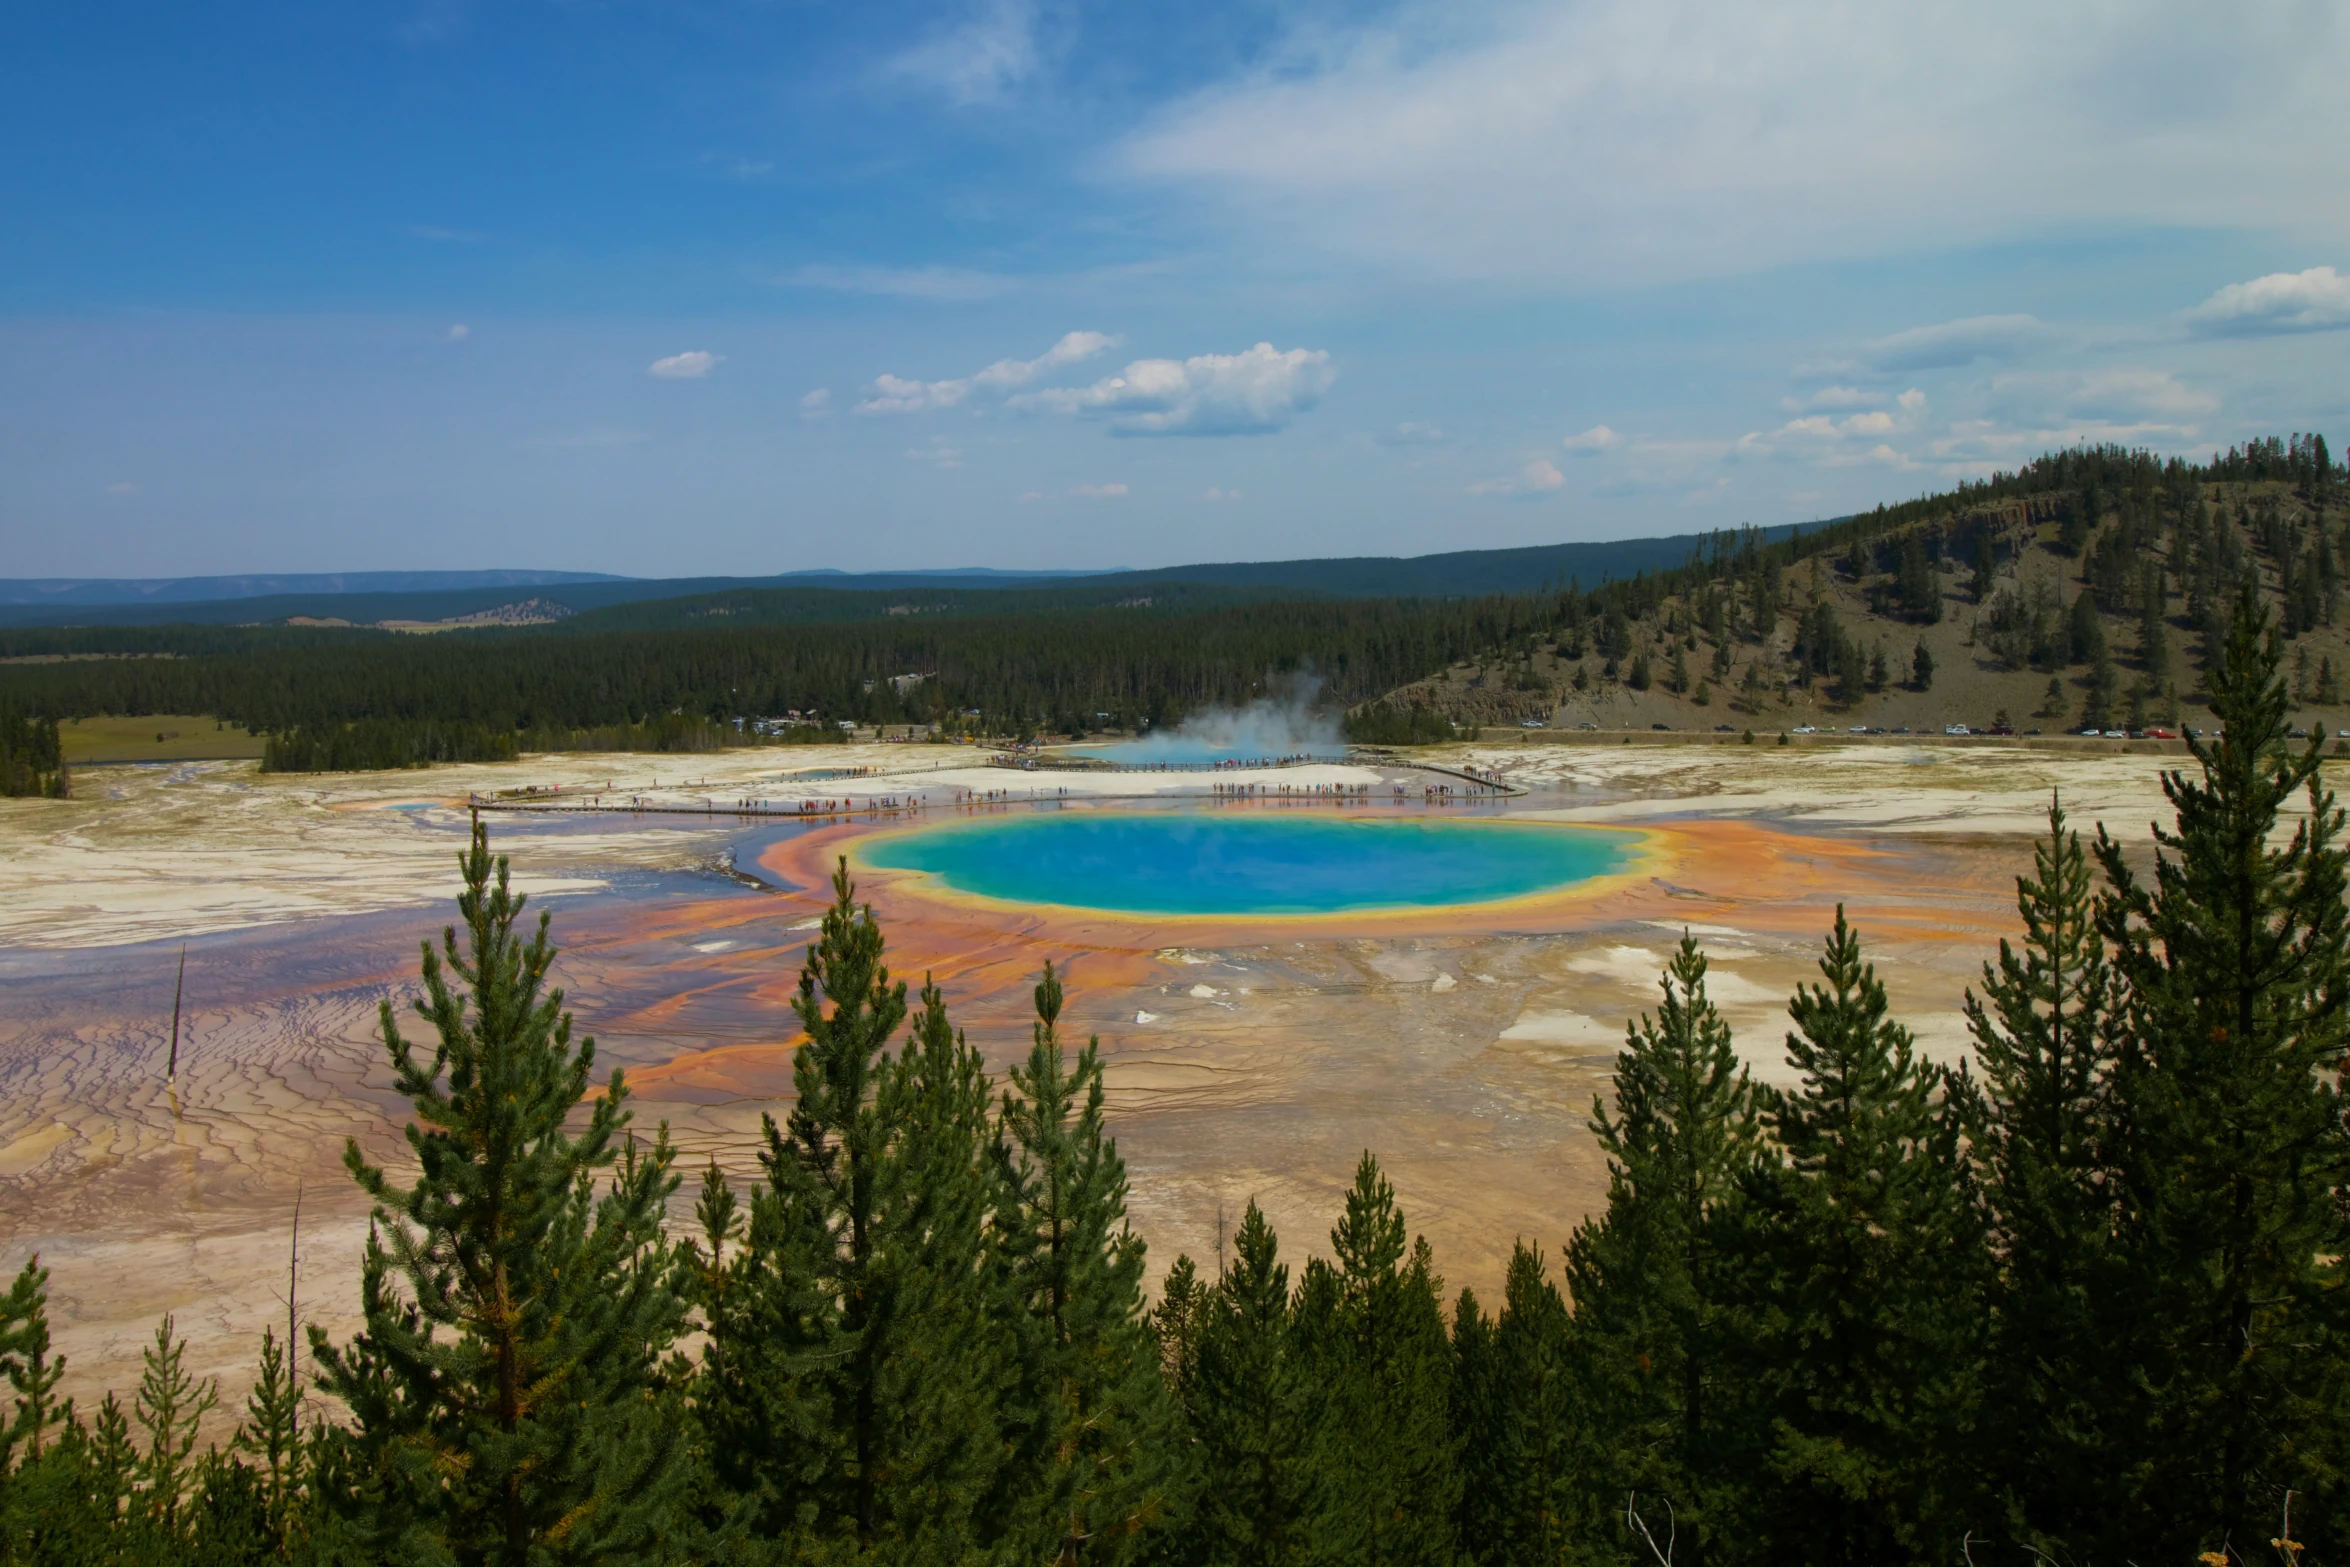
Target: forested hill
[[2101, 560]]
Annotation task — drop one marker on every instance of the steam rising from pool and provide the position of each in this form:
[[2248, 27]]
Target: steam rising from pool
[[1285, 723]]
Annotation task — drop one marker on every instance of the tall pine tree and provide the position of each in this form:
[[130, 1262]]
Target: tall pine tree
[[2233, 1155], [1372, 1331], [1869, 1291], [506, 1394], [2046, 1035], [851, 1383], [1093, 1421], [1255, 1417], [1650, 1276]]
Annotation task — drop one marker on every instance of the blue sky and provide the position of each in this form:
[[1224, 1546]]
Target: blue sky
[[745, 286]]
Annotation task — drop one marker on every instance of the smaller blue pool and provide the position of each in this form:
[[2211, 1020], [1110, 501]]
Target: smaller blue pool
[[1207, 864]]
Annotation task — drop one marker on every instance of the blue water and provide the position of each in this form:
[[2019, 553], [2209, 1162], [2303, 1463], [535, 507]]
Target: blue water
[[1186, 863]]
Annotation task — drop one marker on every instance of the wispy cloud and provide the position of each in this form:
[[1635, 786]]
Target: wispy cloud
[[459, 332], [445, 236], [1081, 492], [1536, 478], [1599, 438], [594, 440], [1622, 142], [816, 404], [938, 454], [2317, 300], [1950, 344], [948, 285], [982, 59], [898, 395], [1412, 432], [1254, 392], [692, 365]]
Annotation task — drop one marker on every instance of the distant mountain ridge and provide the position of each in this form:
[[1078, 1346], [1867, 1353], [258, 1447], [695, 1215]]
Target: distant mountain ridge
[[367, 598], [200, 590]]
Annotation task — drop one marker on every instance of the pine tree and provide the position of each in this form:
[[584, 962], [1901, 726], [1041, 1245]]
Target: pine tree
[[1372, 1330], [851, 1384], [2046, 1035], [31, 1372], [170, 1404], [1869, 1301], [1094, 1420], [506, 1393], [1522, 1421], [1650, 1276], [270, 1435], [2235, 959], [1921, 668], [1256, 1418]]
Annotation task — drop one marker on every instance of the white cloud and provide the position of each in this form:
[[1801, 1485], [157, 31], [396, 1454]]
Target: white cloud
[[1628, 142], [691, 365], [946, 285], [1249, 393], [938, 453], [1599, 438], [1217, 497], [1833, 397], [816, 404], [981, 60], [1412, 433], [1536, 478], [2317, 300], [1823, 438], [2126, 395], [459, 332], [1955, 343], [896, 395], [122, 487]]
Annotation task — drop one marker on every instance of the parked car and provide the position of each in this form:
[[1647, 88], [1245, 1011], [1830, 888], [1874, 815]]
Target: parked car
[[1533, 723], [1956, 729], [1804, 729]]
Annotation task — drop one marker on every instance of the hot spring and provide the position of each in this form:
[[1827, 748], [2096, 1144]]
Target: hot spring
[[1184, 863]]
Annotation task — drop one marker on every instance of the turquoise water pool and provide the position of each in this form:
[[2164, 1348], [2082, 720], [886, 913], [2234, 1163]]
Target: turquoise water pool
[[1182, 863]]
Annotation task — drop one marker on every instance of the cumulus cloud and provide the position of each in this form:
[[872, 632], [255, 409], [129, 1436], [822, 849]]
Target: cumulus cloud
[[980, 60], [1828, 440], [1250, 393], [949, 285], [691, 365], [1637, 141], [816, 404], [897, 395], [1599, 438], [2317, 300]]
